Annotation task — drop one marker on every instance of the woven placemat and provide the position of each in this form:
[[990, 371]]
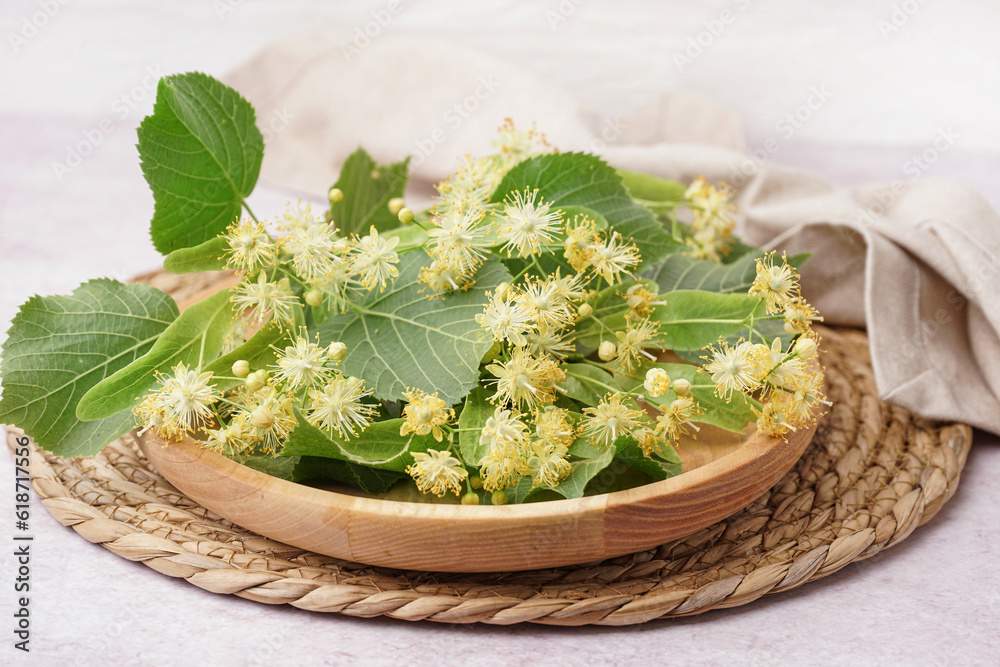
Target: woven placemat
[[873, 473]]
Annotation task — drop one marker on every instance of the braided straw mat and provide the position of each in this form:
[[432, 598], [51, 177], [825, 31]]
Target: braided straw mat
[[873, 473]]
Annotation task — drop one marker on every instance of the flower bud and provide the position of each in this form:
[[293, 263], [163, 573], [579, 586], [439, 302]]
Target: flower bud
[[405, 216], [476, 481], [336, 195], [262, 417], [682, 387], [241, 368], [396, 204], [657, 382], [471, 498], [585, 310], [337, 351], [805, 348], [314, 298], [499, 498], [256, 380], [502, 290], [607, 351]]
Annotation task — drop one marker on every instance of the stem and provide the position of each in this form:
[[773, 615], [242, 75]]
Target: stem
[[250, 213]]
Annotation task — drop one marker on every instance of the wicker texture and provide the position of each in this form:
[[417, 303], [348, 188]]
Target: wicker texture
[[872, 474]]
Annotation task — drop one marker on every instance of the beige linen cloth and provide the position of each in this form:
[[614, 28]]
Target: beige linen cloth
[[915, 261]]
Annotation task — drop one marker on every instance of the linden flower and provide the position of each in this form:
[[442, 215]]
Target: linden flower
[[232, 439], [506, 320], [437, 472], [250, 247], [547, 464], [300, 217], [185, 397], [675, 420], [609, 420], [374, 260], [735, 369], [314, 250], [772, 421], [339, 287], [528, 223], [657, 382], [470, 186], [303, 363], [546, 341], [570, 288], [152, 412], [516, 145], [781, 369], [265, 297], [425, 413], [444, 275], [648, 440], [581, 236], [612, 258], [338, 407], [798, 405], [712, 205], [631, 343], [776, 284], [504, 430], [706, 244], [552, 426], [799, 316], [457, 238], [270, 418], [501, 468], [641, 301], [525, 380], [543, 299]]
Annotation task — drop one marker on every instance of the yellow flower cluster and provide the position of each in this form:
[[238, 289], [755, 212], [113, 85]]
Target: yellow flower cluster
[[787, 383], [714, 219]]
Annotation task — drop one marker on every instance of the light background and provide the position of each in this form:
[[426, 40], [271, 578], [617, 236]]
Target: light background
[[897, 73]]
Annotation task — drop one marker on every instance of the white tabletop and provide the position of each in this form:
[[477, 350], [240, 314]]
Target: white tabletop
[[933, 600]]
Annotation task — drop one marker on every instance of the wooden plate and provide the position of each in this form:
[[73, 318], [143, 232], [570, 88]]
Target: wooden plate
[[460, 538]]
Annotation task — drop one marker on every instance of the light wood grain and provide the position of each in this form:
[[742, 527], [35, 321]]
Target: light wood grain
[[458, 538]]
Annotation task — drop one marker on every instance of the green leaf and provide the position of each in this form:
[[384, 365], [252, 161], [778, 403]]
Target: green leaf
[[200, 153], [58, 347], [610, 308], [692, 319], [181, 342], [629, 453], [205, 257], [474, 415], [651, 188], [732, 416], [400, 338], [588, 384], [577, 179], [379, 446], [370, 480], [683, 272], [582, 472], [366, 199], [275, 466]]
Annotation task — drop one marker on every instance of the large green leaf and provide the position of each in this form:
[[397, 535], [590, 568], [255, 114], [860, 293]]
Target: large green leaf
[[651, 188], [588, 384], [210, 319], [470, 423], [582, 472], [58, 347], [692, 319], [378, 446], [207, 256], [578, 179], [366, 199], [401, 338], [683, 272], [200, 153]]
